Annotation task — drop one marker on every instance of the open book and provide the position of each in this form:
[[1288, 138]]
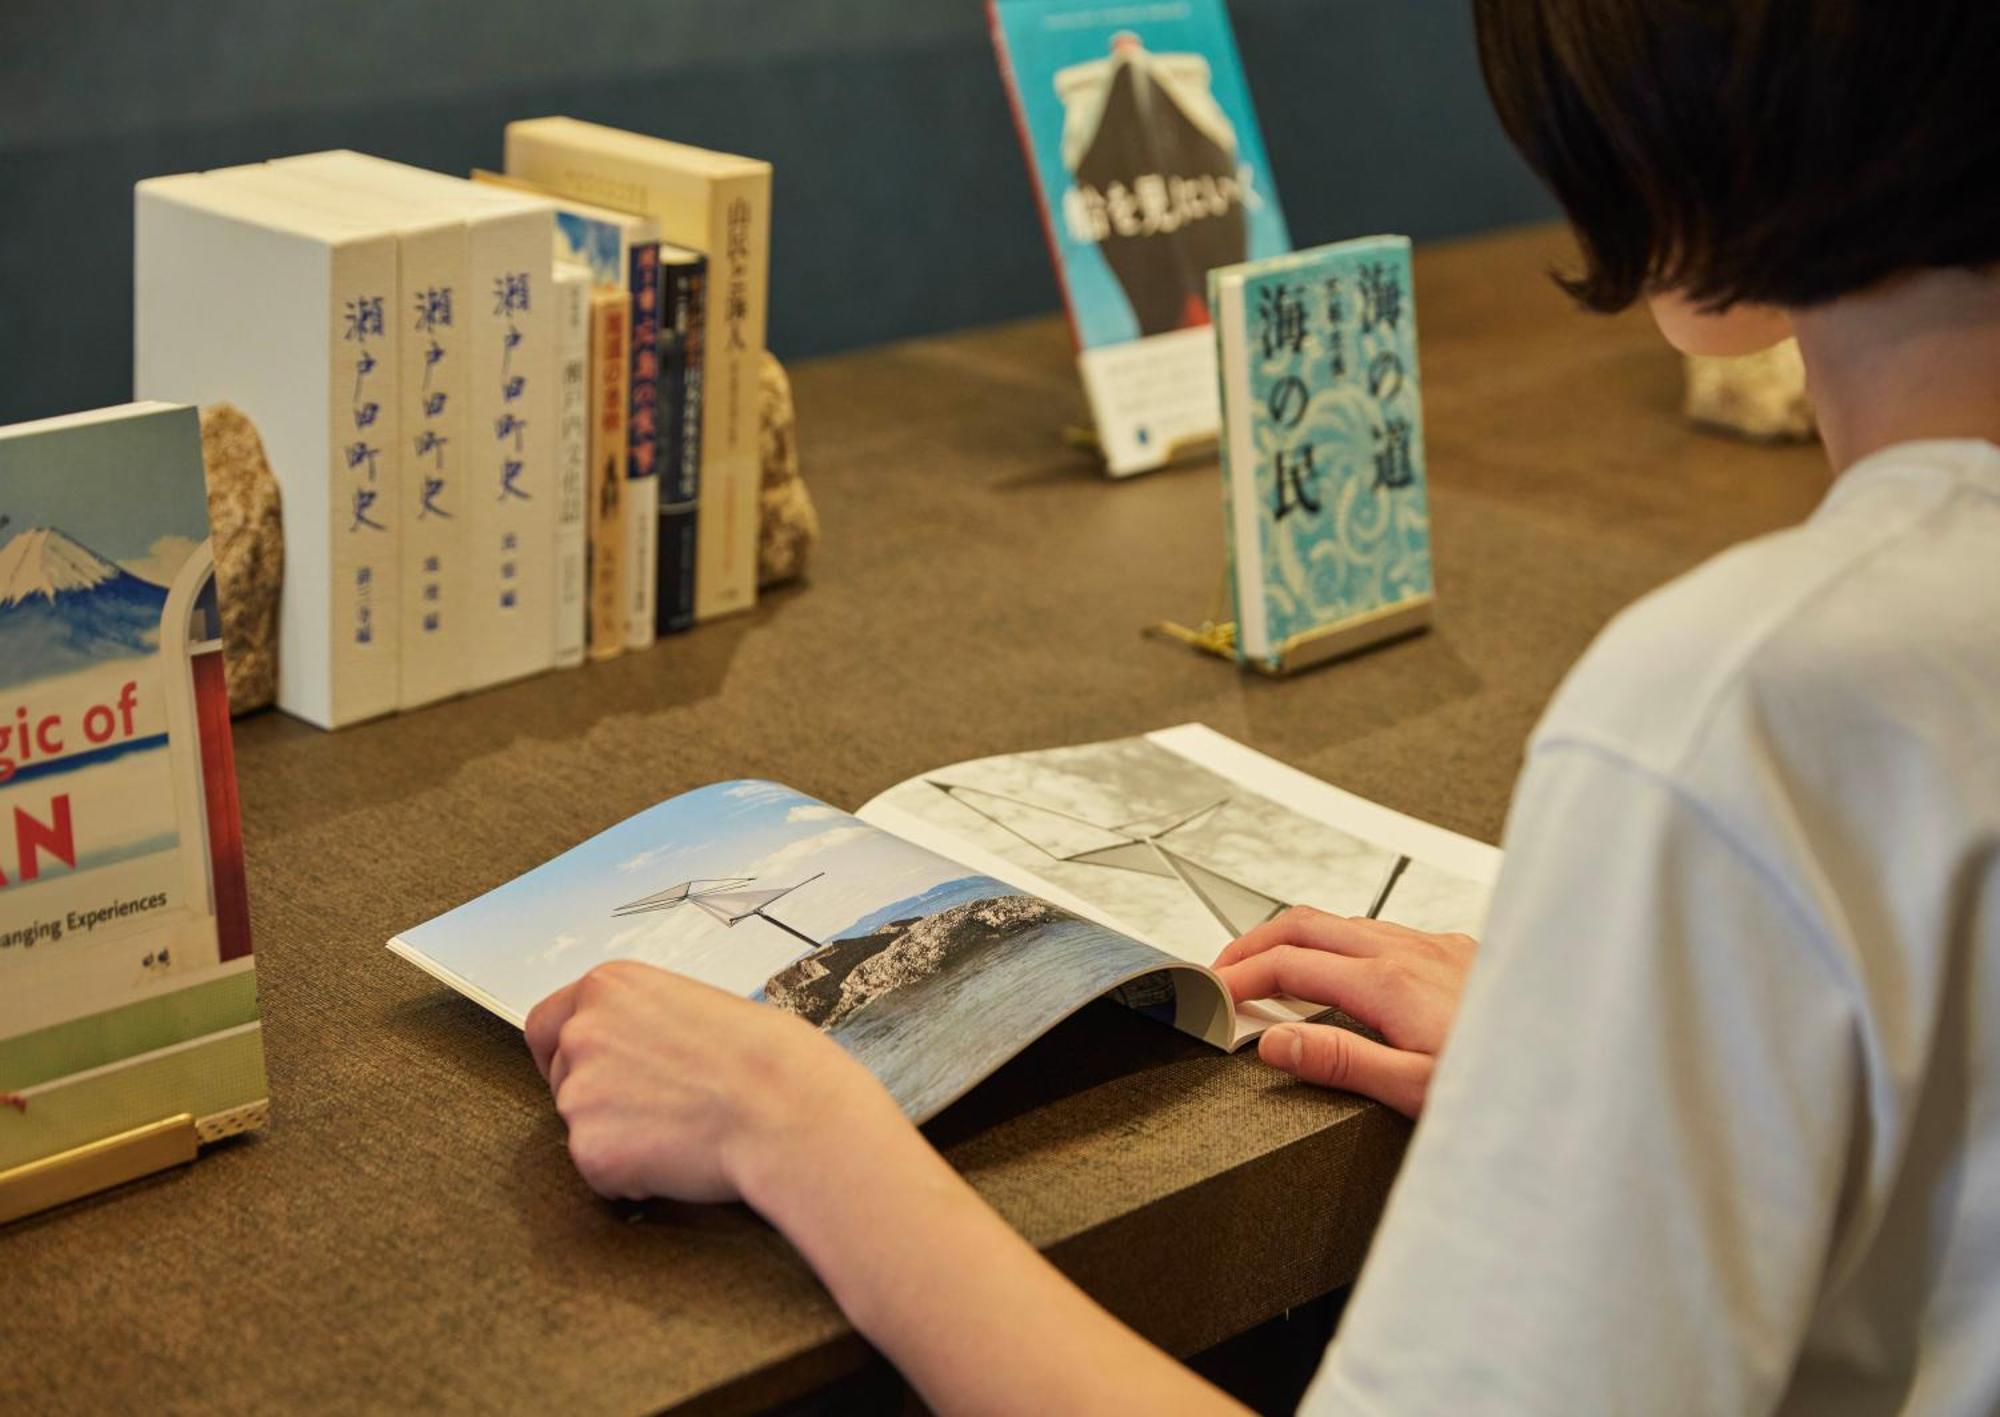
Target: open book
[[960, 915]]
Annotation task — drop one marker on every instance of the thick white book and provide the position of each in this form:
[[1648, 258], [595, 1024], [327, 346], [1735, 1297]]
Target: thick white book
[[511, 409], [572, 286], [285, 313], [432, 275]]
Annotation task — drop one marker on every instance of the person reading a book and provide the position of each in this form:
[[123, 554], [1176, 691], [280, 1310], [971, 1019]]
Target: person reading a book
[[1718, 1126]]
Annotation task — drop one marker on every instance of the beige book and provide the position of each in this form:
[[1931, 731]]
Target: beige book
[[720, 205], [610, 354], [573, 289]]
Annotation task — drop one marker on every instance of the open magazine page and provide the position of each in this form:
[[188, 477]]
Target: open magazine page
[[928, 972], [1186, 839]]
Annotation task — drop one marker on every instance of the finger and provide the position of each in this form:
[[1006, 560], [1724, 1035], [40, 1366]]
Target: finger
[[558, 1069], [1330, 1056], [1308, 928], [1303, 973], [1285, 928], [544, 1024]]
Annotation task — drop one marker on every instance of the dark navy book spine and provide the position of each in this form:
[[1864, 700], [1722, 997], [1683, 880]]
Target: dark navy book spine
[[680, 439]]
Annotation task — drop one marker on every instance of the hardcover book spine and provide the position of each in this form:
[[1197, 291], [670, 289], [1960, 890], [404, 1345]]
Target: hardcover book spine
[[642, 492], [1241, 497], [365, 467], [512, 490], [431, 313], [680, 467], [739, 253], [611, 367], [572, 290]]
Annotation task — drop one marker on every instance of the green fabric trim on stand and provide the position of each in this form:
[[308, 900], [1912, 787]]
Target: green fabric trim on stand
[[131, 1029], [214, 1075]]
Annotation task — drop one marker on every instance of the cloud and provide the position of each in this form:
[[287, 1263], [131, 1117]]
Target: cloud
[[651, 856], [622, 943], [753, 791], [813, 812], [161, 564], [794, 853], [562, 946]]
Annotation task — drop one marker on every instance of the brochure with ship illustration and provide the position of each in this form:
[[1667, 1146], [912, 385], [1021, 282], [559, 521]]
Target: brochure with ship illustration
[[1149, 171], [953, 919], [128, 992]]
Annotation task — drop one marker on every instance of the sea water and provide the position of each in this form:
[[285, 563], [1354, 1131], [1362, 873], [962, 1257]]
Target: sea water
[[932, 1039]]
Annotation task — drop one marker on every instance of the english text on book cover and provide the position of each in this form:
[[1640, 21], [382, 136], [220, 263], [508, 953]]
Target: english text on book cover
[[1324, 454], [126, 986], [1151, 171]]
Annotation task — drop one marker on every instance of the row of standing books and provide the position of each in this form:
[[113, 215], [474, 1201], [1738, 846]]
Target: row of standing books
[[513, 418]]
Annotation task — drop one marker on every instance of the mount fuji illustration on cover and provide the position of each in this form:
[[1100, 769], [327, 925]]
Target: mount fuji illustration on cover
[[64, 607]]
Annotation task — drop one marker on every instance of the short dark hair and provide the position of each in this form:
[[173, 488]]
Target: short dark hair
[[1776, 151]]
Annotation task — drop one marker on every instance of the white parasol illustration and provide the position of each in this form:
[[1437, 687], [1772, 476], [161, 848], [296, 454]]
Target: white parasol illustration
[[730, 900], [1141, 845]]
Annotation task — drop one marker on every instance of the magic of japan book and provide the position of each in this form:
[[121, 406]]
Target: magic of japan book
[[127, 984]]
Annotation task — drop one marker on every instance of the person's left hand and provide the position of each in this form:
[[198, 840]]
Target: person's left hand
[[674, 1088]]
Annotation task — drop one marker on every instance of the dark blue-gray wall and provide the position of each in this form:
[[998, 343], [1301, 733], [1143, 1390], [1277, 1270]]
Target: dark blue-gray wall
[[902, 204]]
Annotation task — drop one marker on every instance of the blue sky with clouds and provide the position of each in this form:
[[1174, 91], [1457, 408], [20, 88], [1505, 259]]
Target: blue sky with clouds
[[130, 489], [542, 930]]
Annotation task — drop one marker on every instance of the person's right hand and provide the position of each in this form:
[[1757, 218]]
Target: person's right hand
[[1402, 983], [671, 1087]]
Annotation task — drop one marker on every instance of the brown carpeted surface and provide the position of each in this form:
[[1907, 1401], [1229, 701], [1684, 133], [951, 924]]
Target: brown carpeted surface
[[409, 1233]]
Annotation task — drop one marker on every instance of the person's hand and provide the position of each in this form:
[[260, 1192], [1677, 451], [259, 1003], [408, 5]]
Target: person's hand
[[673, 1088], [1402, 983]]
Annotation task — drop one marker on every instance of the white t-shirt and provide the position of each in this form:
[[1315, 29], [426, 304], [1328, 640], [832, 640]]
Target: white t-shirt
[[1718, 1128]]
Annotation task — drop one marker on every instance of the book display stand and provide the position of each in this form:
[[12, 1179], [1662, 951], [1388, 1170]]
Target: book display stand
[[1191, 448], [1216, 634], [97, 1166]]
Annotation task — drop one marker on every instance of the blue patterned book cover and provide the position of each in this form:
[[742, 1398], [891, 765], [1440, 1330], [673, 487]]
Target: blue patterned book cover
[[1323, 450]]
